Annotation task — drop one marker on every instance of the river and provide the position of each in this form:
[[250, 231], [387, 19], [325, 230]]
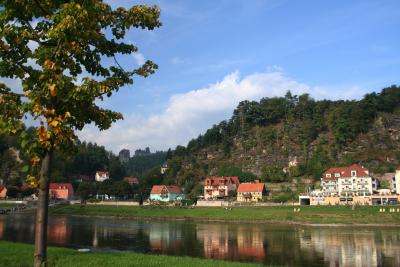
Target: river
[[287, 245]]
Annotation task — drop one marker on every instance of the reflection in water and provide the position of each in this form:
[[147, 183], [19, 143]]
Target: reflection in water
[[269, 244], [344, 247], [1, 229], [59, 231]]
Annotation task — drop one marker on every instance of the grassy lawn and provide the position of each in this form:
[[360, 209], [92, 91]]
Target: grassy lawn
[[314, 214], [7, 205], [21, 255]]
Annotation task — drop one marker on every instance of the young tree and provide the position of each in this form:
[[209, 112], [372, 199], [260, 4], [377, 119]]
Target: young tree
[[64, 54]]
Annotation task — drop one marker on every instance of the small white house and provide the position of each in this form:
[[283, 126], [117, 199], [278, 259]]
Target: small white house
[[102, 176], [396, 182]]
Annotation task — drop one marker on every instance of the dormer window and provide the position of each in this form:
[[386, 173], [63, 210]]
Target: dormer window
[[353, 173], [337, 174], [328, 175]]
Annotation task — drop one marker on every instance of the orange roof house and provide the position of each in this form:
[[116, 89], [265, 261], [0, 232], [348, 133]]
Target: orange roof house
[[251, 192], [131, 180], [61, 190], [219, 187], [166, 193], [3, 192], [101, 176]]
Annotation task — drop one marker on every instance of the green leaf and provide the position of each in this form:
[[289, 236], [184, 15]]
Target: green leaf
[[25, 168]]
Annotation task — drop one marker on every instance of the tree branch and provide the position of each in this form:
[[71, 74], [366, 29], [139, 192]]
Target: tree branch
[[42, 8]]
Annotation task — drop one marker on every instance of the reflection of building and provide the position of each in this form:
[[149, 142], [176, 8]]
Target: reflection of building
[[1, 229], [350, 247], [102, 176], [58, 231], [215, 240], [61, 191], [165, 237], [251, 192], [250, 242], [166, 193], [219, 187]]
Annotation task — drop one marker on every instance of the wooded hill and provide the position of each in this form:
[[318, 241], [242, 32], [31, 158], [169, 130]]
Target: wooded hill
[[279, 139]]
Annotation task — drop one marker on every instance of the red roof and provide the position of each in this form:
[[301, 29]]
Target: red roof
[[216, 181], [251, 187], [361, 171], [158, 189], [101, 173], [58, 186], [131, 180]]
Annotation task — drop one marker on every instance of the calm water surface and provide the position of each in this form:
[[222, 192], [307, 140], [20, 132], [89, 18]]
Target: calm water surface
[[270, 244]]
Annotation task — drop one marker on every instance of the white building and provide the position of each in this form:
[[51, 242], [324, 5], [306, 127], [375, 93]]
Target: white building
[[348, 181], [102, 176], [396, 182]]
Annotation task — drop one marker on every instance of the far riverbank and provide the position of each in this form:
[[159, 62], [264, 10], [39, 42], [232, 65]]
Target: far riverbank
[[325, 215]]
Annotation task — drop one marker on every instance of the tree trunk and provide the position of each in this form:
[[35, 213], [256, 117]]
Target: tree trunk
[[40, 255]]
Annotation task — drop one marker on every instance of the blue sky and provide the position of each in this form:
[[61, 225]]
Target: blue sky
[[213, 54]]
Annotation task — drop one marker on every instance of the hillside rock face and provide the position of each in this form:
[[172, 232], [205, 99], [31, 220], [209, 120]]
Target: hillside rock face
[[378, 148]]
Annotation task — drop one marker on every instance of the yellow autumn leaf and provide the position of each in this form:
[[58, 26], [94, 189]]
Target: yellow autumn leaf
[[52, 89], [67, 114], [54, 123]]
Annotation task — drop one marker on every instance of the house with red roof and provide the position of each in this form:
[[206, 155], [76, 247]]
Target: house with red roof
[[101, 176], [3, 192], [251, 192], [131, 180], [166, 193], [219, 187], [354, 180], [61, 191]]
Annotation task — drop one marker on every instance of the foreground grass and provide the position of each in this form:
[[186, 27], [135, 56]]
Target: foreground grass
[[313, 214], [21, 255]]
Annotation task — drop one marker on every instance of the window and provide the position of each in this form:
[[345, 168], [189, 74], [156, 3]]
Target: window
[[337, 174], [328, 175], [353, 173]]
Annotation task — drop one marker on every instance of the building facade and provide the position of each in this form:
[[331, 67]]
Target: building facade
[[61, 191], [396, 182], [102, 176], [251, 192], [166, 193], [347, 181], [3, 192], [219, 187]]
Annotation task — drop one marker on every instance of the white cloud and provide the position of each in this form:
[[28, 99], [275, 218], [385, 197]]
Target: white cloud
[[189, 114], [139, 58]]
